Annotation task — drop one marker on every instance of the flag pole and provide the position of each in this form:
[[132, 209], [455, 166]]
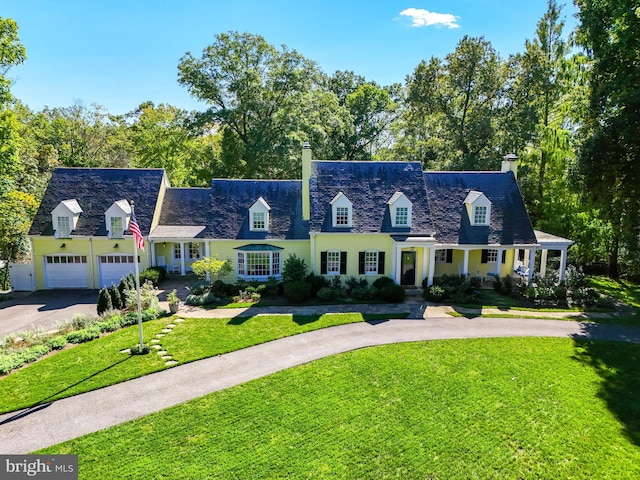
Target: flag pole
[[136, 270]]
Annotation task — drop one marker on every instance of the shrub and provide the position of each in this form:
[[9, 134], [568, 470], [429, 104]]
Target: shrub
[[272, 288], [24, 356], [104, 301], [212, 266], [57, 342], [317, 282], [138, 349], [247, 296], [434, 293], [84, 335], [201, 299], [392, 293], [116, 298], [162, 272], [294, 269], [353, 283], [364, 293], [299, 291], [148, 298], [150, 275], [325, 294], [382, 282]]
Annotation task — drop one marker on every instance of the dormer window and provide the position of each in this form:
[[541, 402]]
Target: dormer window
[[116, 217], [478, 208], [400, 210], [65, 218], [341, 211], [259, 216], [480, 215]]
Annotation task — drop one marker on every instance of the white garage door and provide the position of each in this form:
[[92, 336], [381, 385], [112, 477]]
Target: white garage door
[[113, 268], [66, 271]]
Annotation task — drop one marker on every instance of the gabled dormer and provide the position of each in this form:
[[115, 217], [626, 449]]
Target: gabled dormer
[[400, 210], [341, 211], [116, 218], [65, 218], [478, 208], [259, 216]]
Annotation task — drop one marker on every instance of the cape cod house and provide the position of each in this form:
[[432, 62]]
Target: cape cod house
[[343, 218]]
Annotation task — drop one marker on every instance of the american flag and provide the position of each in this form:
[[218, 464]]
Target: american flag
[[134, 228]]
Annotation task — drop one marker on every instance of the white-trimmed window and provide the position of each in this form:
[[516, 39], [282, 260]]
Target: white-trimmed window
[[370, 262], [177, 253], [333, 262], [64, 227], [441, 256], [258, 265], [195, 251], [116, 230], [342, 216], [258, 222], [492, 255], [402, 216], [480, 215]]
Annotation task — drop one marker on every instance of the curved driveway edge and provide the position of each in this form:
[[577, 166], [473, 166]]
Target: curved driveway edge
[[29, 430]]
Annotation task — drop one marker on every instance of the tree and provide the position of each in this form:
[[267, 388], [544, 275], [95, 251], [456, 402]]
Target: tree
[[16, 211], [255, 90], [608, 166], [458, 101], [159, 139], [212, 266], [367, 110], [540, 95]]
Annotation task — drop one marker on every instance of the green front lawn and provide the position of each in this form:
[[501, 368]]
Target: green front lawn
[[486, 408], [99, 363]]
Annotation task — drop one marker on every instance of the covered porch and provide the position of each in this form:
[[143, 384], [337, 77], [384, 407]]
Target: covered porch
[[177, 247]]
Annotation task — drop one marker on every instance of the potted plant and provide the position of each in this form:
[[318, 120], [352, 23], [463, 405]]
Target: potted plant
[[174, 301]]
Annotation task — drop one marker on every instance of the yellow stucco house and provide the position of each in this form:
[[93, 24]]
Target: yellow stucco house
[[362, 219]]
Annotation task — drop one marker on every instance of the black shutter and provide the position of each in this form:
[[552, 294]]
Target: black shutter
[[361, 263], [380, 263], [323, 263], [485, 256], [343, 263], [504, 256], [449, 255]]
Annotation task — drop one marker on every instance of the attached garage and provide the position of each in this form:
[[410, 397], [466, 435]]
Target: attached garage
[[112, 268], [66, 271]]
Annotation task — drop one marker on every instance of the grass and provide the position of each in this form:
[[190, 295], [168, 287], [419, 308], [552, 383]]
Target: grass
[[99, 363], [626, 291], [485, 408]]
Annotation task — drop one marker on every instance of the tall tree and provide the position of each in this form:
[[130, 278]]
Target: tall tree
[[458, 99], [540, 95], [254, 89], [608, 167]]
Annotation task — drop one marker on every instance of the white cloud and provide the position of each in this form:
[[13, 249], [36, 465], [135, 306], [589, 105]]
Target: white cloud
[[425, 18]]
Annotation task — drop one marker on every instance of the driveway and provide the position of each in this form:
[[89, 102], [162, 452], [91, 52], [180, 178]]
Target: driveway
[[44, 308]]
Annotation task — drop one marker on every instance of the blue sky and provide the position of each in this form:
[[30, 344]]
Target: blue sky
[[121, 53]]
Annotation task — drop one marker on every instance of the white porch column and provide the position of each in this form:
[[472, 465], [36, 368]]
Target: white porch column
[[432, 265], [498, 271], [152, 247], [182, 270], [532, 262], [398, 257], [425, 252], [465, 263], [206, 254], [543, 262], [563, 263]]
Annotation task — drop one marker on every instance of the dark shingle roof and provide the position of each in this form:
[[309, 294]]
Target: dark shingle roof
[[369, 186], [231, 200], [509, 224], [184, 207], [96, 189]]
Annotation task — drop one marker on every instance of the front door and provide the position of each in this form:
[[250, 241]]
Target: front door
[[408, 268]]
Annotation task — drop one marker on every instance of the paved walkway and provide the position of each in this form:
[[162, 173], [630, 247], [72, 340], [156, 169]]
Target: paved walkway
[[65, 419]]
